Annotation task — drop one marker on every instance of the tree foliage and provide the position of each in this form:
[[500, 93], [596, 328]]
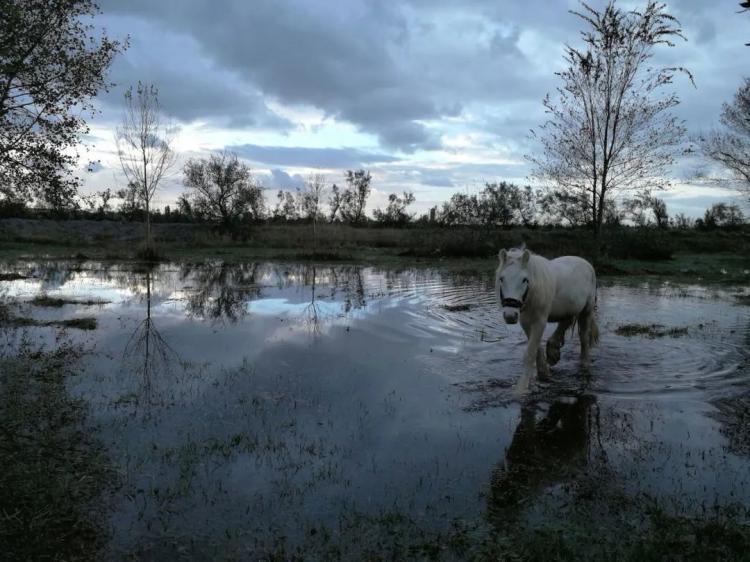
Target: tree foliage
[[221, 190], [395, 213], [52, 64], [610, 127], [354, 197], [730, 147], [498, 204], [721, 215]]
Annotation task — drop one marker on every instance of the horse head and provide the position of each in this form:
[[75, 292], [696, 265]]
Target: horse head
[[512, 282]]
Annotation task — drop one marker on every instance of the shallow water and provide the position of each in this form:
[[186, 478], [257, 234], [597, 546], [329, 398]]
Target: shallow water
[[243, 405]]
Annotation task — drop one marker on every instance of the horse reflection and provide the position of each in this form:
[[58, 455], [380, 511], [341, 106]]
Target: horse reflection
[[146, 352], [547, 448]]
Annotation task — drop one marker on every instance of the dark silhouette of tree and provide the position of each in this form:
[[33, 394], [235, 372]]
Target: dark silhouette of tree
[[498, 204], [731, 147], [286, 206], [395, 213], [144, 146], [51, 65], [334, 203], [644, 207], [354, 198], [222, 190], [721, 215], [611, 128]]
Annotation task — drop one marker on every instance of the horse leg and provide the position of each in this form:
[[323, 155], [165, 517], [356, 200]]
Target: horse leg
[[542, 367], [557, 340], [533, 332]]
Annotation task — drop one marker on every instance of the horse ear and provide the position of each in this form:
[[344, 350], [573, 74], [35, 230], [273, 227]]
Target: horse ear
[[502, 255], [525, 257]]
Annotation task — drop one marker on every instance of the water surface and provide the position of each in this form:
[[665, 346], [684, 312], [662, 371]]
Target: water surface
[[257, 405]]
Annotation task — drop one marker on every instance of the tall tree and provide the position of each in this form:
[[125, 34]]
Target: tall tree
[[354, 198], [221, 189], [144, 146], [52, 64], [730, 147], [610, 127]]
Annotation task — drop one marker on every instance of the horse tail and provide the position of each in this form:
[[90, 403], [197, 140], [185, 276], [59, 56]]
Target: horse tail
[[594, 332]]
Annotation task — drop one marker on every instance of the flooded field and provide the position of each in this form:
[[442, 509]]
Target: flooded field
[[283, 409]]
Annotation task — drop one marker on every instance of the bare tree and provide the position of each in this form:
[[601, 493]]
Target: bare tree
[[311, 197], [731, 147], [222, 189], [311, 200], [51, 66], [144, 146], [610, 127]]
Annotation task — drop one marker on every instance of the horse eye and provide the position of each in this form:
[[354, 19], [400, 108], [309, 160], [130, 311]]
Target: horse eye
[[525, 280], [502, 279]]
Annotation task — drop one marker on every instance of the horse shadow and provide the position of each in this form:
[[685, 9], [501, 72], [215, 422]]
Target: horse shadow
[[550, 446]]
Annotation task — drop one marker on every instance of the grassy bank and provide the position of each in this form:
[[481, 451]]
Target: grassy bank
[[710, 255], [53, 471]]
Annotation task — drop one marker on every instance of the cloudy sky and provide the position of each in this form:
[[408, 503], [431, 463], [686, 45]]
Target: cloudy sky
[[430, 96]]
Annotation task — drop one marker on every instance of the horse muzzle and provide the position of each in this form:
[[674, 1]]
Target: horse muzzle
[[510, 315]]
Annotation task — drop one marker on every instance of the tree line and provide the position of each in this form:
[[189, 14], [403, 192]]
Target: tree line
[[605, 150]]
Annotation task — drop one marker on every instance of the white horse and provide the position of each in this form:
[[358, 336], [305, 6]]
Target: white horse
[[539, 290]]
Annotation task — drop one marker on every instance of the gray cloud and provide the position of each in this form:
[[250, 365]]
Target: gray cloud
[[408, 72], [191, 85], [309, 157], [279, 179]]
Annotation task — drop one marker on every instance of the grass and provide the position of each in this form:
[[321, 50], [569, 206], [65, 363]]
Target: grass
[[674, 253], [12, 276], [53, 471], [87, 323], [457, 307], [54, 302], [650, 330]]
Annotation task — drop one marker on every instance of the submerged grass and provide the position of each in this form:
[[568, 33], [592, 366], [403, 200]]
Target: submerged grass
[[56, 302], [651, 330], [53, 471], [12, 276], [87, 323]]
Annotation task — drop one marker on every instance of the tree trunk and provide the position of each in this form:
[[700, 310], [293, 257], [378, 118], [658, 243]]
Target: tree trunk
[[148, 224]]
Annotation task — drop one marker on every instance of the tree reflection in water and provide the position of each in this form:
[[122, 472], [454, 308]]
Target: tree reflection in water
[[221, 292], [312, 312], [546, 449], [147, 353]]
